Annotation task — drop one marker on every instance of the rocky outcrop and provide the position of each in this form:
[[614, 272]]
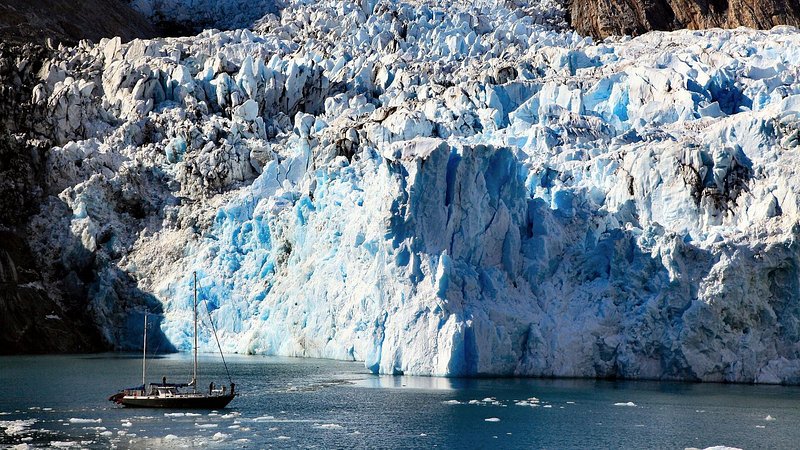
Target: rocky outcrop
[[602, 18], [182, 18], [37, 20], [33, 318]]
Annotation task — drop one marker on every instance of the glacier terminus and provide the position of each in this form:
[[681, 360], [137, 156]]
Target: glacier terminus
[[439, 188]]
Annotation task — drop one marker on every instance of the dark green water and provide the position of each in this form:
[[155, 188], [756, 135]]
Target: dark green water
[[48, 401]]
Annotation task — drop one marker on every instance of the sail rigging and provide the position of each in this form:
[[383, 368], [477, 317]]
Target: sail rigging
[[169, 395]]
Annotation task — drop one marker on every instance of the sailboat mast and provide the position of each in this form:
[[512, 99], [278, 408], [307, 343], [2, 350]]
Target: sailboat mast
[[194, 372], [144, 350]]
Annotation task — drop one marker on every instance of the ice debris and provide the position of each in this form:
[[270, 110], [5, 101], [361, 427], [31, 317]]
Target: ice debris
[[16, 427], [84, 420]]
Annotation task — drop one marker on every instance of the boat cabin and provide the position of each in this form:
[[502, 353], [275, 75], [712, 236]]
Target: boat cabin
[[166, 391]]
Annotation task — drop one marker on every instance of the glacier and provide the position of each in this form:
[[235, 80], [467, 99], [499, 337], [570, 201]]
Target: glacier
[[443, 188]]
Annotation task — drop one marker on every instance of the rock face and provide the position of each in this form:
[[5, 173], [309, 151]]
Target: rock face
[[36, 20], [33, 318], [601, 18], [179, 17]]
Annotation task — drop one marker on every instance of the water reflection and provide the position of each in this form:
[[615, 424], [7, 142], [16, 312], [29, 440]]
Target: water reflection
[[406, 382]]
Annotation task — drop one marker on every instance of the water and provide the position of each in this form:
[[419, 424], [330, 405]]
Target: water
[[290, 403]]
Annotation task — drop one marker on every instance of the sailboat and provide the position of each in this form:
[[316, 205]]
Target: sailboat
[[176, 395]]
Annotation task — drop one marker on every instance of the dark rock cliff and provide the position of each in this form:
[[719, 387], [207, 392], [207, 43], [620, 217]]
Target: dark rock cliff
[[70, 21], [602, 18]]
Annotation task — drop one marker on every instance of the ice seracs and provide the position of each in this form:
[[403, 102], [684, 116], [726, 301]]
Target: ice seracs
[[445, 188]]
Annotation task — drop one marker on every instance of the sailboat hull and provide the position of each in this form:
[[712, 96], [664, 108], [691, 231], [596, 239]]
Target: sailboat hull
[[180, 402]]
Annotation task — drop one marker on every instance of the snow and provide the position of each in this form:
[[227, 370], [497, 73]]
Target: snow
[[441, 188]]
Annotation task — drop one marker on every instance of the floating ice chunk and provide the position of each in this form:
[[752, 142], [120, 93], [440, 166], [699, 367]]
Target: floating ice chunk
[[82, 420], [13, 427], [716, 447], [219, 436], [625, 404], [769, 418], [452, 402], [170, 437], [64, 444], [282, 438], [492, 419], [264, 419], [329, 426], [127, 424], [206, 425]]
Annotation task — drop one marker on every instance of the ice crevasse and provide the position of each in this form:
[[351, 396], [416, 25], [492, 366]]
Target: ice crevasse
[[447, 189]]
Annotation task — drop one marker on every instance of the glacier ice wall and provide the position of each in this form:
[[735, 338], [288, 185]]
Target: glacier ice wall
[[446, 189]]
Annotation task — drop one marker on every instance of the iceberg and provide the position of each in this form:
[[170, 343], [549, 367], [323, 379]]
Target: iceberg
[[439, 188]]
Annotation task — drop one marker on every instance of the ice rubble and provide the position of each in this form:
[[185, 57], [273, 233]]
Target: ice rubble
[[446, 189]]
